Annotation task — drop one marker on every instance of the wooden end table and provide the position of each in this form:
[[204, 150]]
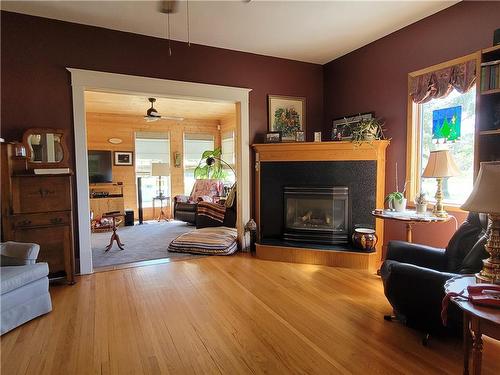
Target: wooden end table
[[114, 235], [478, 321], [410, 218]]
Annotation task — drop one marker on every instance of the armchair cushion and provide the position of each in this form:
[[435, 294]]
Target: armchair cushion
[[14, 277], [473, 261], [419, 255], [464, 239], [18, 253]]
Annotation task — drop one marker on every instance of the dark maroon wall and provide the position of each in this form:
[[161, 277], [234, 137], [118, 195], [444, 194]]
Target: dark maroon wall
[[36, 89], [374, 78]]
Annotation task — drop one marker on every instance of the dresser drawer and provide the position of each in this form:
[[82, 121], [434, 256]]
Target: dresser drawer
[[31, 194], [41, 220]]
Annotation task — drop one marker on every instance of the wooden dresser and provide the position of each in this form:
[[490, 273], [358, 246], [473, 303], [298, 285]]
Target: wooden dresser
[[39, 209]]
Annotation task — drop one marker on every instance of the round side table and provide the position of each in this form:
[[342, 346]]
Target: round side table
[[478, 321]]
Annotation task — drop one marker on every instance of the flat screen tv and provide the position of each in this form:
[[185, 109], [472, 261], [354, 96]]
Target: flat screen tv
[[100, 166]]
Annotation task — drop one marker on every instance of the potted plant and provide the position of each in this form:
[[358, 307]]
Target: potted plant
[[366, 130], [396, 200], [421, 203], [210, 171]]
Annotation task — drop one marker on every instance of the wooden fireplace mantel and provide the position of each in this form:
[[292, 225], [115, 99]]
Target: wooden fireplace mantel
[[323, 151]]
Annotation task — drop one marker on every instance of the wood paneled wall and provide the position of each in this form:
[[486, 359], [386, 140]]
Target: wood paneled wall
[[101, 127]]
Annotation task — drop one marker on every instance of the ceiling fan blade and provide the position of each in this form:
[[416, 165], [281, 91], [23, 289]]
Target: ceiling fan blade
[[173, 118]]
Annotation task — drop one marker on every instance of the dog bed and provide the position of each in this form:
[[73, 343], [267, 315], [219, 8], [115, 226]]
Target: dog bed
[[209, 241]]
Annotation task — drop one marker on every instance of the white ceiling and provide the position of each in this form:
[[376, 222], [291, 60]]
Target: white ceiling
[[312, 31], [125, 104]]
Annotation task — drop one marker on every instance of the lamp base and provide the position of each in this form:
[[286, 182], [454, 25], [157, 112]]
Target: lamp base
[[439, 213], [491, 266]]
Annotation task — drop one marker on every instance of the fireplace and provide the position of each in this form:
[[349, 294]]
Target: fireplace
[[316, 214]]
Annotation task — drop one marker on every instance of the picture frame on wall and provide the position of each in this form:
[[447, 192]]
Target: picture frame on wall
[[125, 158], [343, 124], [287, 114], [273, 137]]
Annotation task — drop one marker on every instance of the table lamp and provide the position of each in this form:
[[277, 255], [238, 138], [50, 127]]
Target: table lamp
[[485, 198], [159, 170], [440, 165]]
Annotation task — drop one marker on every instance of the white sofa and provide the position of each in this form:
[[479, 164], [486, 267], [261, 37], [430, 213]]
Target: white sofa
[[24, 285]]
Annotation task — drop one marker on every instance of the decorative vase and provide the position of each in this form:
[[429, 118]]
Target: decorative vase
[[400, 206], [421, 208], [364, 239]]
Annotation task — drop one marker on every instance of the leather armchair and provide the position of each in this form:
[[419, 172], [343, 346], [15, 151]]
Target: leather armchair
[[414, 275], [203, 190]]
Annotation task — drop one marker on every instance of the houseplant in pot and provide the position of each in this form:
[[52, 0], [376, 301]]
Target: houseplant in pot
[[421, 203], [366, 130], [396, 199]]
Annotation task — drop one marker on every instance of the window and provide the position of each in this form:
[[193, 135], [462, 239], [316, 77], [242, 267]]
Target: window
[[151, 147], [443, 120], [194, 146], [229, 156]]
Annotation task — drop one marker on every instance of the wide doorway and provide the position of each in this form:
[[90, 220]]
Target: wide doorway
[[143, 152]]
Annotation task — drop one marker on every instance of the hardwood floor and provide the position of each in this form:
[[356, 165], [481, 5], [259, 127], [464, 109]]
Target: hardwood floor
[[229, 315]]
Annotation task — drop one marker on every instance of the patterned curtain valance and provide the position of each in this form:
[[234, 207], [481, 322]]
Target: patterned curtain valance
[[441, 82]]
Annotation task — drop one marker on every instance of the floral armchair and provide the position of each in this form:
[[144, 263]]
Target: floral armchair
[[206, 190]]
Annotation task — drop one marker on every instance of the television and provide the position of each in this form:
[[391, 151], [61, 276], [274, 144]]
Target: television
[[100, 166]]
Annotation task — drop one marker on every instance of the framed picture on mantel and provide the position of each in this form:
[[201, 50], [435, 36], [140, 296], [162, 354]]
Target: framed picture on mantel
[[287, 114]]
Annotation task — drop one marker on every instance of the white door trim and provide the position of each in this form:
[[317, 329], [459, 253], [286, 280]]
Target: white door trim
[[82, 80]]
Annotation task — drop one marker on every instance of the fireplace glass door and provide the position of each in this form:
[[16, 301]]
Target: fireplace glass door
[[316, 214]]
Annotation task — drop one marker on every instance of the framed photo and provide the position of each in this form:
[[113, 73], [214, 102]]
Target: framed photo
[[273, 137], [287, 114], [124, 158], [317, 136], [300, 136], [343, 124]]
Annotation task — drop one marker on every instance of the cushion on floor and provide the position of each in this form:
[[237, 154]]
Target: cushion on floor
[[210, 241]]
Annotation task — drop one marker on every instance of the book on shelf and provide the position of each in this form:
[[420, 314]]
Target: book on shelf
[[490, 75]]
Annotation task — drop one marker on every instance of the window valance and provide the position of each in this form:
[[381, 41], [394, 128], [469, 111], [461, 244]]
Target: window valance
[[441, 82]]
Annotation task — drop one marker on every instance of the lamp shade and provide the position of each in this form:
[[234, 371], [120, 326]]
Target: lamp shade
[[440, 164], [160, 169], [485, 195]]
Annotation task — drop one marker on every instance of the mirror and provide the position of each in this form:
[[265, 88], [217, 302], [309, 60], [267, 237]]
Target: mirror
[[45, 146]]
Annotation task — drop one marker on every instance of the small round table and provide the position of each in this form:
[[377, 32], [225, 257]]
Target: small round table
[[478, 321], [161, 198], [114, 236], [410, 218]]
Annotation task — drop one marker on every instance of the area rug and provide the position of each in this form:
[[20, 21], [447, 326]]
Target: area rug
[[142, 242]]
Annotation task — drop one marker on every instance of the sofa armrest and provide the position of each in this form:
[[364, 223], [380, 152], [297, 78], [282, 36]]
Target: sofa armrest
[[419, 255], [18, 253]]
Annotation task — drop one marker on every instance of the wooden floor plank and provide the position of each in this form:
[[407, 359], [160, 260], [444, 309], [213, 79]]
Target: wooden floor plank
[[226, 315]]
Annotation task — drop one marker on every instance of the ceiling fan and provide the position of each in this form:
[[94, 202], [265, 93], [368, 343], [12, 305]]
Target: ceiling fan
[[153, 115]]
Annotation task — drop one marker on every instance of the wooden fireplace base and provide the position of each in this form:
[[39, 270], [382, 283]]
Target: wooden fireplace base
[[336, 258]]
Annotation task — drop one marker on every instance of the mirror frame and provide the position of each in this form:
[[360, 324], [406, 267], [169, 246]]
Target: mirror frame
[[64, 163]]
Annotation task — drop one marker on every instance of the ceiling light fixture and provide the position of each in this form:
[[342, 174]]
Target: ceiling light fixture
[[168, 7]]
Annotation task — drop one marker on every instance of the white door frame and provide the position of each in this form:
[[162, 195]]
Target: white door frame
[[82, 80]]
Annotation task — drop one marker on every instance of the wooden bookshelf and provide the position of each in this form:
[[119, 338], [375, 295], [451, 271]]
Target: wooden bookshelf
[[487, 142]]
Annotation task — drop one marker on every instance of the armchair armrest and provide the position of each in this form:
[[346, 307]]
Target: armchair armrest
[[416, 293], [419, 255], [181, 198], [18, 253]]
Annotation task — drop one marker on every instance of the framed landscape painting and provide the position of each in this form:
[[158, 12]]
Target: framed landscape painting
[[287, 115]]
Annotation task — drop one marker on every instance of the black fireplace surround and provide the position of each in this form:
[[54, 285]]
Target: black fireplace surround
[[353, 183]]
